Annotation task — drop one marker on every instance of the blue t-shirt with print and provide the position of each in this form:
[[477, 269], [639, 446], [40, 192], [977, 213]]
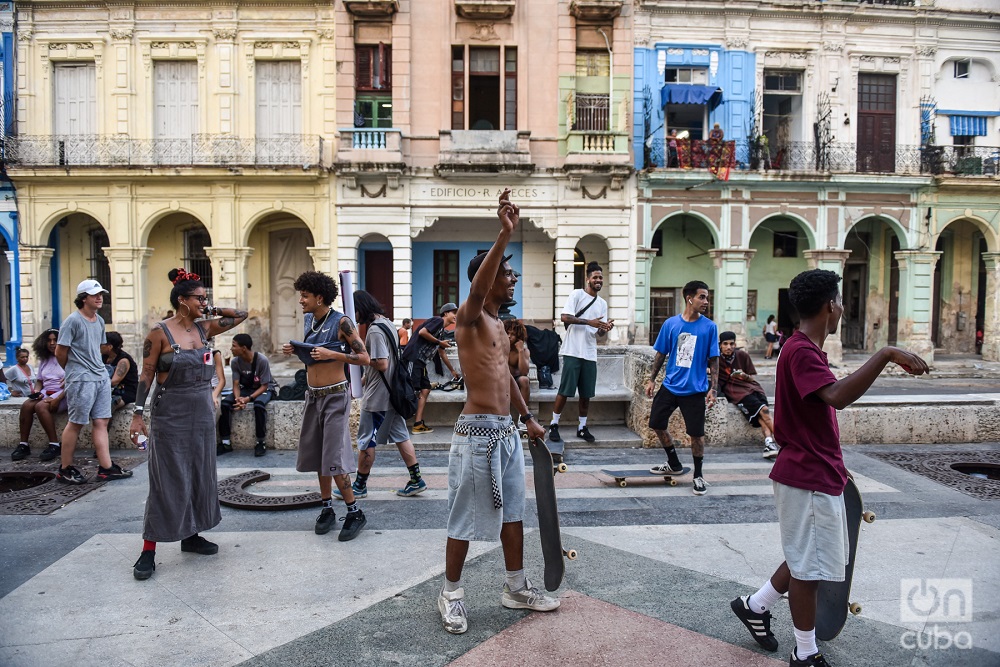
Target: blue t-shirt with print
[[688, 346]]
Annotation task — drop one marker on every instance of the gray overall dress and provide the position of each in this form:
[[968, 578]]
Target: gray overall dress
[[183, 489]]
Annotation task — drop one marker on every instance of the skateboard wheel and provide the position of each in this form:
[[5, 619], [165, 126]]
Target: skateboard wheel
[[562, 467], [622, 483], [570, 554], [671, 481], [855, 608], [869, 517]]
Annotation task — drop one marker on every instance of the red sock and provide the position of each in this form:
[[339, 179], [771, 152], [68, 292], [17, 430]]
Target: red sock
[[148, 546]]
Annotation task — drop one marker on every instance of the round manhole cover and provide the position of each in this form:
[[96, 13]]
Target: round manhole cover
[[19, 481], [978, 470]]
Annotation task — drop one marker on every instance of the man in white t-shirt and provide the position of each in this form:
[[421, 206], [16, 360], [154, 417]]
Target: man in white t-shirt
[[584, 315]]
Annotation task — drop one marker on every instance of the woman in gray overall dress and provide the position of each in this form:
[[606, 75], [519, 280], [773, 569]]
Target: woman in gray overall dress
[[183, 495]]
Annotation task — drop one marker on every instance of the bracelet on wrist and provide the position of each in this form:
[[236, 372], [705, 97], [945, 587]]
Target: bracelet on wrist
[[138, 411]]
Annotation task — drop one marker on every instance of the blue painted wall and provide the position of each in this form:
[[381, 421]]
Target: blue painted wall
[[423, 273], [735, 76], [8, 219]]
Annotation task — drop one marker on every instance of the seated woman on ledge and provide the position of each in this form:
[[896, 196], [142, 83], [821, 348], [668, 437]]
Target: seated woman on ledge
[[48, 399], [517, 358]]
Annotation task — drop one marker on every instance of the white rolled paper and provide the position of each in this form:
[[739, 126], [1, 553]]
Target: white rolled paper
[[347, 294]]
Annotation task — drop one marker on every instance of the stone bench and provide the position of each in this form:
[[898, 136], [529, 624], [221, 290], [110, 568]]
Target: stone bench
[[608, 406], [10, 431]]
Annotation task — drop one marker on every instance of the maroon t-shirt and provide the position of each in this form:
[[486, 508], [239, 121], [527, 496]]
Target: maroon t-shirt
[[805, 426]]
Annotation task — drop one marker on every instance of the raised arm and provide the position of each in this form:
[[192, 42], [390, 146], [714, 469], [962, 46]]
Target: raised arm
[[228, 318], [510, 216]]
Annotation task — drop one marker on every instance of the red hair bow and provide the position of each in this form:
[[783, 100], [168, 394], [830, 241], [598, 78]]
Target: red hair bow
[[183, 275]]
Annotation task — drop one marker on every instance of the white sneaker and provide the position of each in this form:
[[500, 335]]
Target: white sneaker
[[665, 469], [527, 598], [771, 448], [452, 608], [700, 486]]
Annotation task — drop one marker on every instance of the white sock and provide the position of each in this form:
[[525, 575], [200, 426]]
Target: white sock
[[516, 580], [764, 599], [54, 444], [225, 441], [805, 643], [23, 442], [555, 418], [452, 586], [583, 422]]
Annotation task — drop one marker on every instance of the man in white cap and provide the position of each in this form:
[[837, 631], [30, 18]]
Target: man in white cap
[[88, 388]]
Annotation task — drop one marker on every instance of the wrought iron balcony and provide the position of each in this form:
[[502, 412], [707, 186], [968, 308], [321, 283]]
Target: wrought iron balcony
[[809, 157], [200, 150]]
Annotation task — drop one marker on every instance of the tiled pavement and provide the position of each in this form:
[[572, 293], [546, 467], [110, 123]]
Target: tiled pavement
[[656, 571]]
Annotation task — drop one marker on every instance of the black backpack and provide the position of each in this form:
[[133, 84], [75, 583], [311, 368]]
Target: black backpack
[[295, 391], [401, 395]]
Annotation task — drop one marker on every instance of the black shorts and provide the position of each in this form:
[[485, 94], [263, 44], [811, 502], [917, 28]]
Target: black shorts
[[418, 376], [751, 406], [692, 407]]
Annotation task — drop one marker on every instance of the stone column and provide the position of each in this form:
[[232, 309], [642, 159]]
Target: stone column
[[129, 301], [565, 248], [229, 276], [36, 290], [991, 321], [643, 317], [916, 300], [732, 276], [321, 257], [402, 276], [618, 290], [830, 260]]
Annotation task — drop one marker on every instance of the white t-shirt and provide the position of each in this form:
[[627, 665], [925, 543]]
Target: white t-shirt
[[580, 340], [771, 328]]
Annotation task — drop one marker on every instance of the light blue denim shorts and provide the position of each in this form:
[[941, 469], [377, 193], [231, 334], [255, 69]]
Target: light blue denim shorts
[[813, 529], [471, 515]]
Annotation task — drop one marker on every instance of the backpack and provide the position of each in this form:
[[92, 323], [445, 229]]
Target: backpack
[[401, 395], [295, 391]]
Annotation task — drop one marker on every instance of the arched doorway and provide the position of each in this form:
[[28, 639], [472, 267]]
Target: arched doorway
[[177, 240], [590, 248], [376, 271], [78, 241], [781, 242], [282, 243], [871, 285], [6, 288], [959, 300], [681, 243]]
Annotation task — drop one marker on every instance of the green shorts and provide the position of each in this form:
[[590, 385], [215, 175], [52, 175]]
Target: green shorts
[[578, 374]]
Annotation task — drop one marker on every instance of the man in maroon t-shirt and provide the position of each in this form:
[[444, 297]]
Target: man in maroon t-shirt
[[809, 475]]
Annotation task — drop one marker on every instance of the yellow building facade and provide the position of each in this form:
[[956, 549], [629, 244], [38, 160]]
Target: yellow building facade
[[151, 136]]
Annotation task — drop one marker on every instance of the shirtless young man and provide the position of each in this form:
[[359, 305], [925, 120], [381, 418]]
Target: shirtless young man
[[486, 466], [325, 439]]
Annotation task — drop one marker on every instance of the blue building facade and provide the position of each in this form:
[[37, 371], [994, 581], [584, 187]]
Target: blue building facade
[[10, 311], [689, 88]]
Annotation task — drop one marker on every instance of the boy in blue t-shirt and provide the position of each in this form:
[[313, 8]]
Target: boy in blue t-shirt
[[690, 344]]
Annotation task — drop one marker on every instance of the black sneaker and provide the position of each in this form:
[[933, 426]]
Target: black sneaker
[[221, 449], [759, 625], [554, 433], [20, 452], [815, 660], [260, 449], [353, 523], [199, 545], [584, 434], [70, 475], [50, 452], [326, 520], [143, 568], [114, 472]]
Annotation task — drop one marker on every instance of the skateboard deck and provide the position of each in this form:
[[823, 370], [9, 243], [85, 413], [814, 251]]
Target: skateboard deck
[[548, 516], [833, 599], [621, 474]]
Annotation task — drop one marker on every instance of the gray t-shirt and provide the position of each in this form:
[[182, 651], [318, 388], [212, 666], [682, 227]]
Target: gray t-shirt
[[250, 377], [18, 381], [84, 339], [376, 394]]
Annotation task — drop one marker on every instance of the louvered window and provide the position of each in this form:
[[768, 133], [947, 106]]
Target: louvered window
[[373, 63]]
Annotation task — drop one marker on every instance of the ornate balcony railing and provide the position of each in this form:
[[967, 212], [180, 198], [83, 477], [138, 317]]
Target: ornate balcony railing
[[806, 157], [221, 150]]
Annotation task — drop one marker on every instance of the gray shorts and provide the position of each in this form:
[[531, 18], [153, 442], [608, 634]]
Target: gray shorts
[[325, 438], [88, 400], [379, 428], [813, 533], [471, 515]]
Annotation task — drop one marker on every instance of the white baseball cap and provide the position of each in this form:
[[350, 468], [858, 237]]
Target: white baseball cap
[[90, 287]]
